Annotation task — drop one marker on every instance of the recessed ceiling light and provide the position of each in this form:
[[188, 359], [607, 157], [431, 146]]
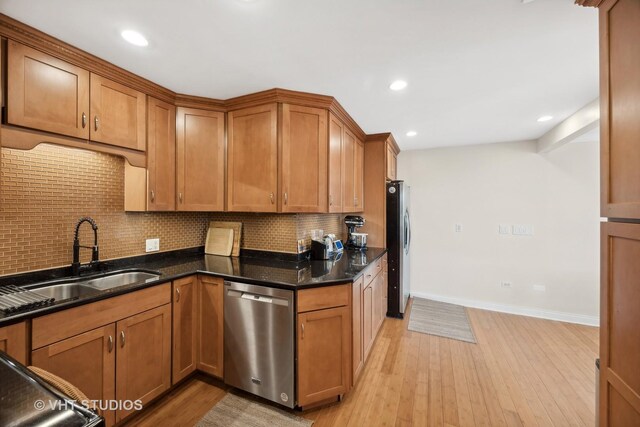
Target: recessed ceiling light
[[398, 85], [412, 133], [134, 38], [545, 118]]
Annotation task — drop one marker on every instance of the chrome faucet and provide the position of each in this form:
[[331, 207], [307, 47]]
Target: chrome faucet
[[75, 265]]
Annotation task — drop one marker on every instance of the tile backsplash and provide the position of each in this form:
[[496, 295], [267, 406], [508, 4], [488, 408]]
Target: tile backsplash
[[44, 191]]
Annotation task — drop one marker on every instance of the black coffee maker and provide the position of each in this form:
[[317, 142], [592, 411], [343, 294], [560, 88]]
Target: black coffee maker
[[355, 240]]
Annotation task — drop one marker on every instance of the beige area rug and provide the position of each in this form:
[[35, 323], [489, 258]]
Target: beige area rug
[[236, 411], [441, 319]]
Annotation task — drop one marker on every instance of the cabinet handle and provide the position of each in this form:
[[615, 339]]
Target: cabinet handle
[[96, 122], [271, 197], [153, 196], [302, 325], [122, 339], [285, 198], [84, 120], [355, 201], [177, 295], [180, 197], [110, 343], [330, 199]]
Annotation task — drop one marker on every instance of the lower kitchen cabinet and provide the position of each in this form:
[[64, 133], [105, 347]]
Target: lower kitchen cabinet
[[367, 320], [185, 323], [13, 341], [324, 360], [210, 325], [143, 357], [356, 329], [88, 361]]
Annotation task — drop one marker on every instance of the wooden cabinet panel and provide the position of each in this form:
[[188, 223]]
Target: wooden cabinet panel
[[378, 297], [336, 164], [252, 159], [161, 156], [620, 109], [143, 356], [324, 356], [87, 361], [358, 176], [200, 159], [324, 297], [303, 168], [13, 341], [118, 114], [210, 325], [619, 319], [348, 190], [367, 320], [356, 330], [391, 164], [46, 93], [184, 327]]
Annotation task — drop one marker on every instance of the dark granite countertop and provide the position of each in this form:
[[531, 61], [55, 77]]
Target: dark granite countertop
[[259, 269]]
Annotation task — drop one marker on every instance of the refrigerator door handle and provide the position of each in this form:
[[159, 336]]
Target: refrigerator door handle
[[407, 231]]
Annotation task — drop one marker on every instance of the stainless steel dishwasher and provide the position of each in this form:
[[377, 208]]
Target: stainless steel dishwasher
[[259, 341]]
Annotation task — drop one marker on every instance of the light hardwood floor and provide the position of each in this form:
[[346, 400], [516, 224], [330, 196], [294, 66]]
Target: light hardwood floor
[[523, 371]]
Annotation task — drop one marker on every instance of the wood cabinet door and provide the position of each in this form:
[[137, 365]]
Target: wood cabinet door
[[184, 327], [324, 356], [118, 114], [210, 325], [358, 176], [303, 167], [378, 298], [336, 163], [356, 330], [13, 341], [619, 320], [367, 320], [252, 159], [143, 357], [200, 160], [619, 108], [46, 93], [161, 156], [87, 361], [348, 175]]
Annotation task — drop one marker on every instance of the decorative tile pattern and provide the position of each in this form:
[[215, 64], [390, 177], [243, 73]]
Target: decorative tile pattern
[[44, 191]]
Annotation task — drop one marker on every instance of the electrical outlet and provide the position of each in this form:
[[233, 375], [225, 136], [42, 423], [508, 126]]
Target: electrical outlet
[[505, 285], [540, 288], [153, 245], [458, 228]]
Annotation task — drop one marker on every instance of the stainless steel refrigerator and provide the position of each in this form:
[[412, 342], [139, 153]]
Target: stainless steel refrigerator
[[398, 244]]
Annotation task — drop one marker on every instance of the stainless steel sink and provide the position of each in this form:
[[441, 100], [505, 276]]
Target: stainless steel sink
[[120, 279], [65, 291]]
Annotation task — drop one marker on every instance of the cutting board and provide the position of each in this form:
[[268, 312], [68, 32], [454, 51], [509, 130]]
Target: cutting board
[[237, 233], [219, 241]]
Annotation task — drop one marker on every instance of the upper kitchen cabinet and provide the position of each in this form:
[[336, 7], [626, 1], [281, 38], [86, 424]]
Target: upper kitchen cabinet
[[303, 171], [392, 162], [46, 93], [619, 108], [200, 159], [336, 163], [252, 159], [358, 176], [117, 114], [352, 172]]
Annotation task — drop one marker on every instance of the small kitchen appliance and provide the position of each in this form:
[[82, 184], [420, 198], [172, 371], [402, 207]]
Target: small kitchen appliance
[[326, 247], [355, 240]]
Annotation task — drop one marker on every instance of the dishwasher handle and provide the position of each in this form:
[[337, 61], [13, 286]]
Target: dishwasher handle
[[254, 297]]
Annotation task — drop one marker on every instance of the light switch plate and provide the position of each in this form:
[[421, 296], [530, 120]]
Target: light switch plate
[[504, 229], [153, 245], [458, 228], [522, 230]]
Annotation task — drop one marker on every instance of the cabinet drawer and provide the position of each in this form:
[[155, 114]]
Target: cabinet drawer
[[321, 298], [372, 271], [67, 323]]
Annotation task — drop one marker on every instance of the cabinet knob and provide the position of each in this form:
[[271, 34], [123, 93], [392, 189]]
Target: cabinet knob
[[84, 120], [110, 343], [122, 342], [96, 122], [271, 197], [177, 295]]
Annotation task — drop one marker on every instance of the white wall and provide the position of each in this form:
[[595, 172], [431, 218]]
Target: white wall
[[482, 186]]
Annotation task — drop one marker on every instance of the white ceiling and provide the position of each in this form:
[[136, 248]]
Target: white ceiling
[[478, 71]]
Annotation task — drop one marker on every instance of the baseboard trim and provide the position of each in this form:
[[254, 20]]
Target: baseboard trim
[[580, 319]]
